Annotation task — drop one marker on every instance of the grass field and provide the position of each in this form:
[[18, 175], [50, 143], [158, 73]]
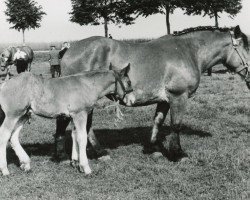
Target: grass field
[[215, 135]]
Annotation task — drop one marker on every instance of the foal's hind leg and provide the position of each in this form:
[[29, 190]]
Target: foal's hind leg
[[21, 154], [75, 149], [177, 110], [155, 144], [5, 132]]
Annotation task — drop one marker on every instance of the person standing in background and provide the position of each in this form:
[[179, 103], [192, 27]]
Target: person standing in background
[[54, 62]]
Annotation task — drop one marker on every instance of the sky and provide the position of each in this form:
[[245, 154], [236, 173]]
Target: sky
[[56, 26]]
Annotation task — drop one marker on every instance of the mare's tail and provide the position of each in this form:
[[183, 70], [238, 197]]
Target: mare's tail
[[2, 115]]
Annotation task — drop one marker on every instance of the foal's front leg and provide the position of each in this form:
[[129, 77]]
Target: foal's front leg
[[80, 122], [177, 110]]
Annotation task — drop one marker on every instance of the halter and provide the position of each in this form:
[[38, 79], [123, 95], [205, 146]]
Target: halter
[[117, 79], [235, 46]]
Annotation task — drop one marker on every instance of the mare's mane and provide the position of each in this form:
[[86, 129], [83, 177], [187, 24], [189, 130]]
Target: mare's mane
[[212, 28]]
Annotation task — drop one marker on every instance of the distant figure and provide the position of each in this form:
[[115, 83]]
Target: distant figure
[[54, 62], [110, 36], [65, 47]]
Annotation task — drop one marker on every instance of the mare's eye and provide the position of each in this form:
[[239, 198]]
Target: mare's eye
[[129, 83]]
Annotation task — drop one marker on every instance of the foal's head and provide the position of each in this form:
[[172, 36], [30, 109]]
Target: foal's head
[[5, 58], [122, 82], [237, 54]]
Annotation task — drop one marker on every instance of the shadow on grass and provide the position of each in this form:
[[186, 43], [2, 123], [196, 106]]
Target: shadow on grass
[[108, 138]]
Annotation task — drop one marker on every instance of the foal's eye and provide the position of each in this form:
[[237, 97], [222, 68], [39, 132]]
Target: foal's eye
[[129, 83]]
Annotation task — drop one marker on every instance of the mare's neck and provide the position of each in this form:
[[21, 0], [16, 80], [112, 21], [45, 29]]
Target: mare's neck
[[210, 48]]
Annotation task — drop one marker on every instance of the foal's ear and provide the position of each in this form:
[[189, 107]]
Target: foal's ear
[[237, 32], [125, 70]]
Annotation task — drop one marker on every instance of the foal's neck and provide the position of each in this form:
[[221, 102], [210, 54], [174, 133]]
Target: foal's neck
[[105, 83]]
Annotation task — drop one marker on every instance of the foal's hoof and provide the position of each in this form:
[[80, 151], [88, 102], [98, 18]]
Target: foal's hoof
[[74, 163], [176, 155], [85, 170], [25, 167], [104, 158]]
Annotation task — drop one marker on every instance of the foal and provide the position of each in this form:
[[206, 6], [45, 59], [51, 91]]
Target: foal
[[73, 96]]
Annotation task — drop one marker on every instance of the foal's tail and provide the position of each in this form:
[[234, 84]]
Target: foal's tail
[[2, 115]]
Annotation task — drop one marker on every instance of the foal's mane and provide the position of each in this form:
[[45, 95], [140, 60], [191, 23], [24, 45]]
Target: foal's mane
[[212, 28]]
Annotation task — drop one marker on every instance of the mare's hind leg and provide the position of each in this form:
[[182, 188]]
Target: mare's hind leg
[[21, 154], [155, 144], [80, 122], [5, 132], [177, 110], [100, 152], [61, 125]]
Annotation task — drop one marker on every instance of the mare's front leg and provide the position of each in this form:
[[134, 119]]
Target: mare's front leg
[[80, 122], [177, 110], [155, 144], [61, 125], [100, 152]]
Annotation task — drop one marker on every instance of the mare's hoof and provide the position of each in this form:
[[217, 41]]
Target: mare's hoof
[[176, 155], [104, 158], [25, 167], [85, 170], [157, 155], [74, 163]]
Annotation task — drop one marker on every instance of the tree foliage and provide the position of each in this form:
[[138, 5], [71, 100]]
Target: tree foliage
[[149, 7], [212, 8], [96, 12], [23, 14]]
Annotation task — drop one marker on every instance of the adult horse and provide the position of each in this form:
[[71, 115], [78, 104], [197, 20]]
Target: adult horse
[[166, 71], [10, 56]]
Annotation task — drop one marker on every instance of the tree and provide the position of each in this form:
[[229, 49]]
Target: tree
[[149, 7], [24, 14], [212, 8], [96, 12]]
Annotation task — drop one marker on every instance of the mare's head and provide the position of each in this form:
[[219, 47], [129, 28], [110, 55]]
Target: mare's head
[[237, 54], [5, 58], [122, 82]]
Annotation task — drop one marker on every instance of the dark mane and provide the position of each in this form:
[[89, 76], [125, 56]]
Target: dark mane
[[201, 28], [212, 28]]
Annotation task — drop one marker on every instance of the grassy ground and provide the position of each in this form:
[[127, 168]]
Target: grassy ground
[[215, 135]]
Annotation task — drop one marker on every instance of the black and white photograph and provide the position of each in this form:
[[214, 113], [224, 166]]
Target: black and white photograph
[[124, 99]]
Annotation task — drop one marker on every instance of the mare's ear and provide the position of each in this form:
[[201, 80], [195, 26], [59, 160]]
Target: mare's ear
[[237, 32], [125, 70]]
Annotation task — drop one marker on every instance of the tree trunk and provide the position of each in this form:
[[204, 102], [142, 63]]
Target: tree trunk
[[167, 19], [23, 37], [216, 19], [106, 27]]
